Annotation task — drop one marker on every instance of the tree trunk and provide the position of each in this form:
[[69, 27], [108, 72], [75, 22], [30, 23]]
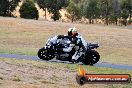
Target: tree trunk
[[72, 19], [90, 21], [107, 12], [45, 13], [130, 14], [106, 20], [116, 21]]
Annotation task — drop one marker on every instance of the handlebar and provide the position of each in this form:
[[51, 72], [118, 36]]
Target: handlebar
[[92, 46]]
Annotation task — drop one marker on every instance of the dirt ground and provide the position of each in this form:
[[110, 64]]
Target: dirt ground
[[32, 74]]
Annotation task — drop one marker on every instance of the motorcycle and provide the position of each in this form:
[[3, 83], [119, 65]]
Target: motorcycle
[[53, 44]]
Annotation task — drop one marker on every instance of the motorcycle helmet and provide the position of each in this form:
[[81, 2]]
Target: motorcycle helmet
[[72, 31]]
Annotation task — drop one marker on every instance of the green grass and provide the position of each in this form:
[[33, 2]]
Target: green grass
[[19, 51]]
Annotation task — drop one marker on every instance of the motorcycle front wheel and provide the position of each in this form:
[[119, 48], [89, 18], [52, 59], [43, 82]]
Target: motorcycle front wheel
[[45, 54], [92, 57]]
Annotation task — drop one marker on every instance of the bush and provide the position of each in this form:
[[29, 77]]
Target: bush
[[130, 21], [28, 10]]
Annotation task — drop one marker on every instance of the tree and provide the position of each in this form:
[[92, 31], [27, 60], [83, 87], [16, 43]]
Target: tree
[[7, 7], [1, 7], [28, 10], [113, 18], [76, 1], [127, 5], [115, 13], [74, 12], [124, 16], [105, 9], [54, 6], [91, 10], [43, 4]]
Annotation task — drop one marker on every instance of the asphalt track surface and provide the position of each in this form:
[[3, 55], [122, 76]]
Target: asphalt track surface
[[99, 64]]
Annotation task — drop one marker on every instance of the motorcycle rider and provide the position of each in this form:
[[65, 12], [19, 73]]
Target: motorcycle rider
[[76, 43]]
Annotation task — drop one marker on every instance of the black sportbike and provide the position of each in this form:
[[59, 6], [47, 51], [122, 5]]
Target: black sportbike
[[53, 44]]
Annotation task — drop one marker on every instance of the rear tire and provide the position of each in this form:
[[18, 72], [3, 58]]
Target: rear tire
[[44, 54], [91, 57]]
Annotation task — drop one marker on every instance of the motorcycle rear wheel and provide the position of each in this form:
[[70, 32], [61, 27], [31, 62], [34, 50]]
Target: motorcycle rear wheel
[[45, 54]]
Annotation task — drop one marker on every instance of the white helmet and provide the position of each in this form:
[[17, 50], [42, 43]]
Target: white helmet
[[72, 31]]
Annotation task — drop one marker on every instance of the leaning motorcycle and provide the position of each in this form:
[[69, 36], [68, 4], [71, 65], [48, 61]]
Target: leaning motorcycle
[[53, 44]]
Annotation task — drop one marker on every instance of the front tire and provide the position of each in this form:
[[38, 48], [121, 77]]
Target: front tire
[[45, 54], [91, 57]]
